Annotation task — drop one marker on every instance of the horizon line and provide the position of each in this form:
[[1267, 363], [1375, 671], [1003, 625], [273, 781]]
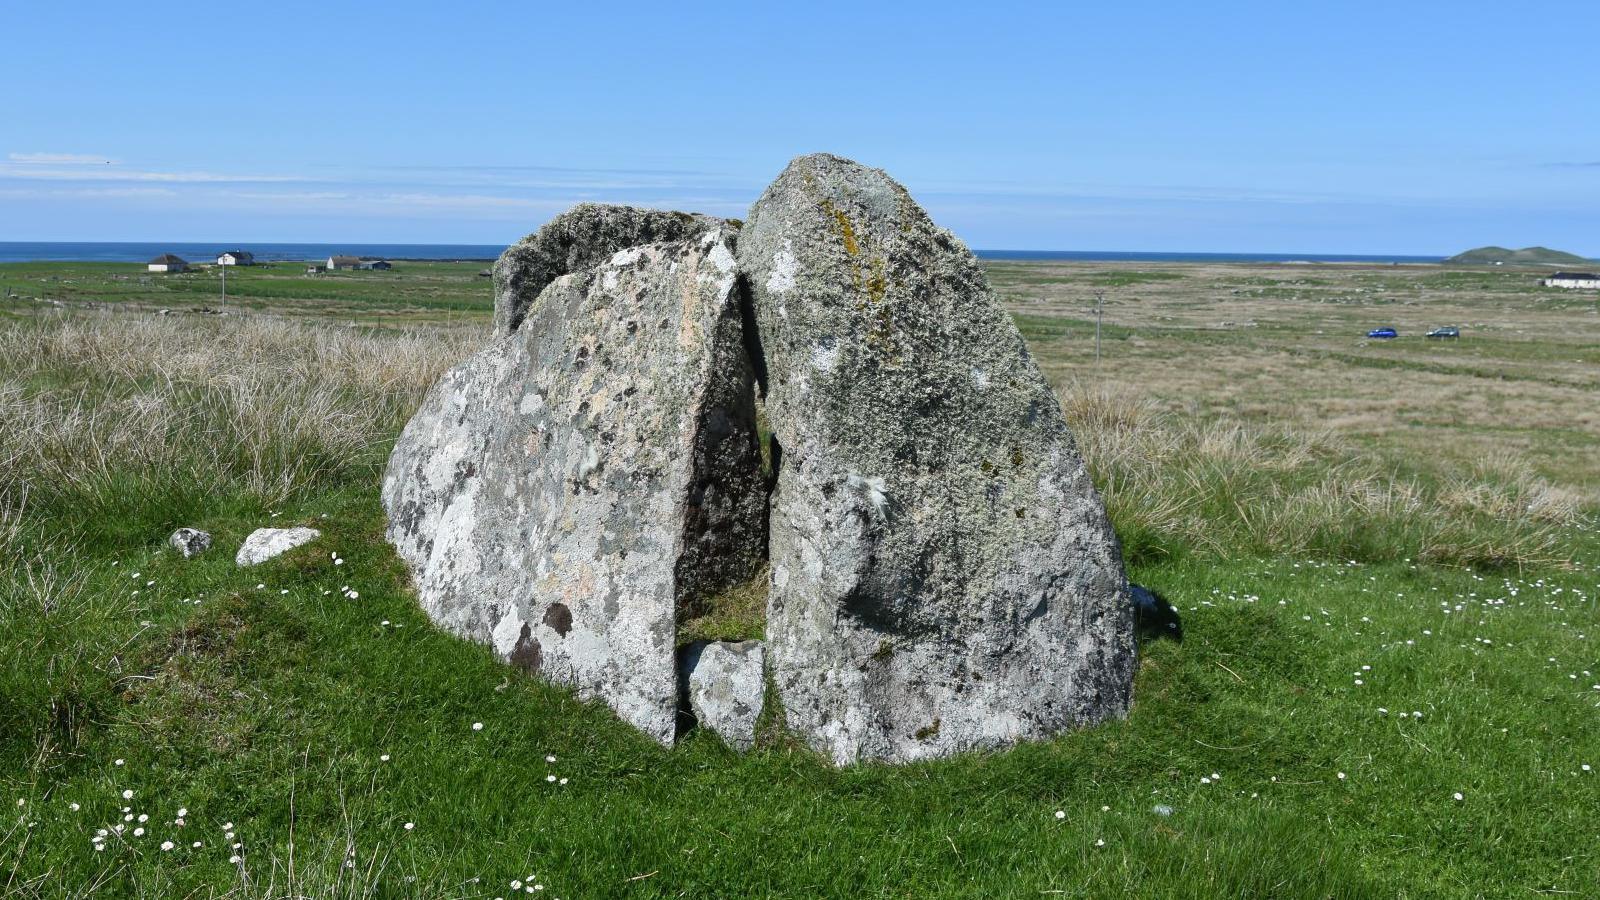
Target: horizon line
[[243, 245]]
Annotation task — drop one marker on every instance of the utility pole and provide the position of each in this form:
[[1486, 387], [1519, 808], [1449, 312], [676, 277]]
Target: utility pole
[[1099, 308], [224, 285]]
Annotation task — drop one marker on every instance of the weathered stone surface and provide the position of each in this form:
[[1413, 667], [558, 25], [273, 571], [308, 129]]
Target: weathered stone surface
[[265, 543], [564, 492], [944, 576], [726, 686], [190, 542], [579, 239]]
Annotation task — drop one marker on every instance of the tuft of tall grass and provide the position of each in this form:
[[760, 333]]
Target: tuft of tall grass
[[1232, 489], [115, 424]]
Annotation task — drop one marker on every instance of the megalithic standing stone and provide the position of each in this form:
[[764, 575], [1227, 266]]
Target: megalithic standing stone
[[944, 576], [566, 491]]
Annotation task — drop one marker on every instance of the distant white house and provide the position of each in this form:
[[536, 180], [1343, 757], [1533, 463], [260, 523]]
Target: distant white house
[[166, 262], [236, 258], [1582, 280], [336, 263]]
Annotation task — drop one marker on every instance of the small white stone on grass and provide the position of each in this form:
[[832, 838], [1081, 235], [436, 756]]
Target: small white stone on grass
[[266, 543]]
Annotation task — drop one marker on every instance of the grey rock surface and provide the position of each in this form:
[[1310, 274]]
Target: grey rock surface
[[579, 239], [190, 542], [266, 543], [564, 493], [726, 687], [944, 577]]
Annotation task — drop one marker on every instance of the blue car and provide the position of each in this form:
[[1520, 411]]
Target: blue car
[[1383, 334]]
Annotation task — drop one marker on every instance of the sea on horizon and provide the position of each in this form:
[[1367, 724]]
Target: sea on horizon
[[138, 252]]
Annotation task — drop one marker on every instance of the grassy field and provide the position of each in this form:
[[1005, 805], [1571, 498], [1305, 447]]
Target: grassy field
[[1385, 554], [411, 293]]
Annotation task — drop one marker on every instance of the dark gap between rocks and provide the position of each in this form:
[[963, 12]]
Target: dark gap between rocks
[[722, 574]]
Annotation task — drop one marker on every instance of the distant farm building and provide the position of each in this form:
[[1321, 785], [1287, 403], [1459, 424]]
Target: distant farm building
[[316, 269], [347, 263], [1583, 280], [236, 258], [166, 262]]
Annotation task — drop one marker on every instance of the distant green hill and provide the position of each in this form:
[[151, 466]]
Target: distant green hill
[[1527, 256]]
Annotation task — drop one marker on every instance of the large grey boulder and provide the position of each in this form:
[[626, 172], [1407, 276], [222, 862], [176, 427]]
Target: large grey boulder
[[579, 239], [944, 576], [725, 684], [267, 543], [564, 493]]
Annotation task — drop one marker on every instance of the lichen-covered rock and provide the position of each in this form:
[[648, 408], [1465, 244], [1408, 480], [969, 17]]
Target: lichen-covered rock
[[190, 542], [944, 576], [266, 543], [561, 494], [579, 239], [726, 687]]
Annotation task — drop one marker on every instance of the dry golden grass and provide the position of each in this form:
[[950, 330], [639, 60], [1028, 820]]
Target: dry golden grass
[[1252, 441], [1283, 346], [1230, 488], [261, 405]]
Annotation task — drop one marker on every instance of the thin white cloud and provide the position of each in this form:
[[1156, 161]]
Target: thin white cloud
[[60, 159], [116, 192], [35, 172]]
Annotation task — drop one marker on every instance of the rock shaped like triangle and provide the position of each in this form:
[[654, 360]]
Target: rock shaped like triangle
[[944, 577], [563, 492]]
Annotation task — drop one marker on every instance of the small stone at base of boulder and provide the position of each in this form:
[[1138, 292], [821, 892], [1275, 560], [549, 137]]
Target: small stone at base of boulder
[[190, 542], [726, 684], [265, 543]]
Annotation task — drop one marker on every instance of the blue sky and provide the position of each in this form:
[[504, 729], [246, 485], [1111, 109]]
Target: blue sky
[[1353, 127]]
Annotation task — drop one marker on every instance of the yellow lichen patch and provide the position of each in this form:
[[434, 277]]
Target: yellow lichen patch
[[877, 282], [846, 232]]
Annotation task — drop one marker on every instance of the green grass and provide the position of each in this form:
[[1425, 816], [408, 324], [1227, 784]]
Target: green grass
[[265, 699], [412, 291], [269, 706]]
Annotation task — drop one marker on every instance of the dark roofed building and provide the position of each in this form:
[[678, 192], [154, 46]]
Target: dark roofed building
[[343, 262], [168, 262]]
